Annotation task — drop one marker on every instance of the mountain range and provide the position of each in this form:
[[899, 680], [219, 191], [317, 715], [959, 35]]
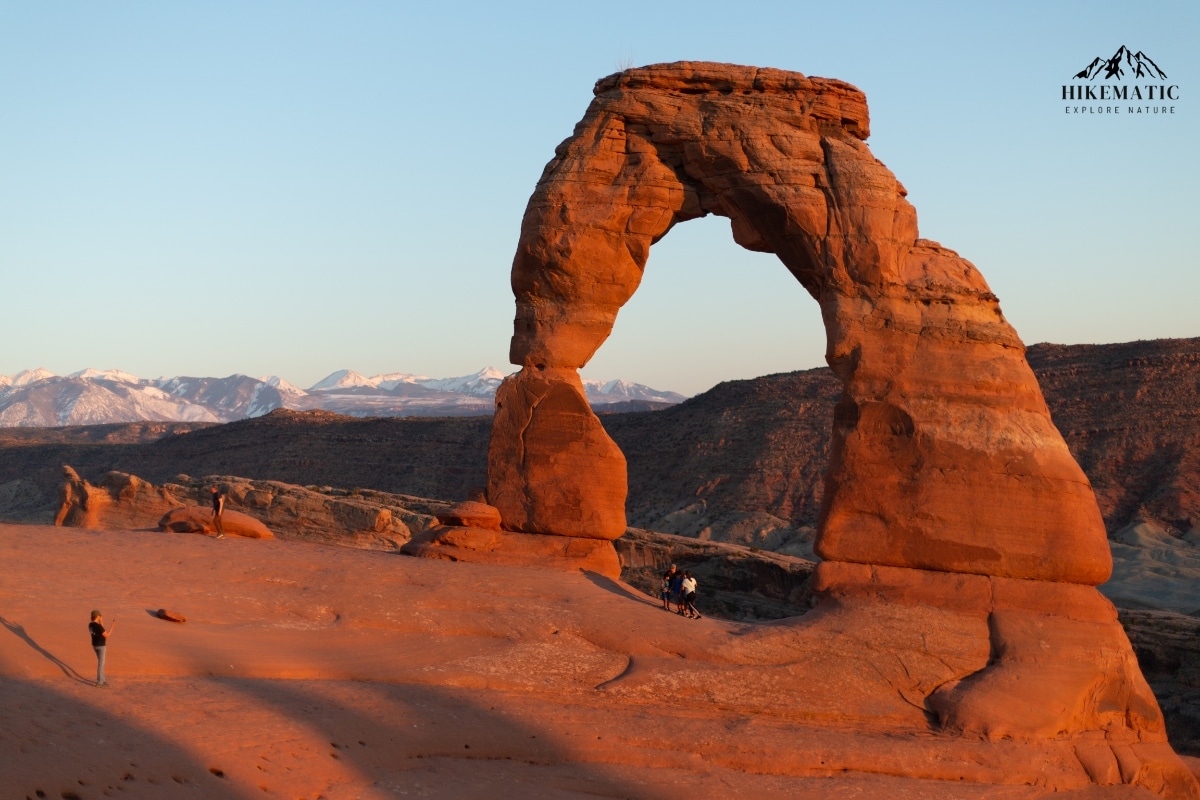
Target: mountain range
[[39, 398], [1138, 64]]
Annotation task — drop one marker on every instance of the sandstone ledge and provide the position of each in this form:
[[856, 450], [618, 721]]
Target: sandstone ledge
[[512, 548]]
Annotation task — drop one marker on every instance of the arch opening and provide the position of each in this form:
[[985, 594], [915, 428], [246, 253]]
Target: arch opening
[[679, 330]]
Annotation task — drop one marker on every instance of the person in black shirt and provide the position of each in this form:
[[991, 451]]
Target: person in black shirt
[[665, 588], [100, 643], [218, 503]]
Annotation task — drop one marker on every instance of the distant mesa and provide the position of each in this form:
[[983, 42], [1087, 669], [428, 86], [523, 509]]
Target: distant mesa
[[39, 398], [1120, 65]]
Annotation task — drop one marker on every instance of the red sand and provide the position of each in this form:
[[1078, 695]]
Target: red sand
[[307, 671]]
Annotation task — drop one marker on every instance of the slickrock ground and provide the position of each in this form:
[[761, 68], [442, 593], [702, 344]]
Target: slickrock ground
[[307, 671]]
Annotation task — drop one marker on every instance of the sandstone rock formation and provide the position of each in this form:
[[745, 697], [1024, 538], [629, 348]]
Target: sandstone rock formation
[[198, 519], [513, 548], [356, 518], [119, 501], [938, 404], [471, 514], [367, 520], [470, 531], [951, 504]]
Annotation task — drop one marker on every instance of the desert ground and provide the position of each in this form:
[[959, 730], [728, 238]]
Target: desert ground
[[310, 671]]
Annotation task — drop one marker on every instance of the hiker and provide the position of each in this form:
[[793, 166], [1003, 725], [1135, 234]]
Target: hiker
[[689, 596], [677, 591], [218, 506], [664, 589], [100, 643]]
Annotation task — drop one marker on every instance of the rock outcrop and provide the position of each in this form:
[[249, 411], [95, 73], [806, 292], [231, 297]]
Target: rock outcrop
[[119, 501], [356, 518], [951, 502], [199, 519]]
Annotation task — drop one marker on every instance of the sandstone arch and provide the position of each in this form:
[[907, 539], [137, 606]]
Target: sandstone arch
[[944, 456], [961, 541]]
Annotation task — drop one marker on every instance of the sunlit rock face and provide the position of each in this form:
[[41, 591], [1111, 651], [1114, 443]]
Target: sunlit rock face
[[961, 541], [944, 456]]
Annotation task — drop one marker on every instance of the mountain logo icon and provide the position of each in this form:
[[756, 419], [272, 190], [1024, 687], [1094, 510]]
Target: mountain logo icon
[[1123, 63]]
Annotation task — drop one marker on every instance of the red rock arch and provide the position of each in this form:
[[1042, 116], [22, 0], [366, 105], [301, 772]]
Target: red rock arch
[[944, 456]]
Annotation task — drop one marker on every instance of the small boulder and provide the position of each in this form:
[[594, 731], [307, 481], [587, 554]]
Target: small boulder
[[471, 514], [170, 616], [198, 519]]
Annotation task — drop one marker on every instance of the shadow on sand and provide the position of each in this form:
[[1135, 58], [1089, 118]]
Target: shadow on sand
[[609, 585], [56, 744], [67, 669], [436, 741]]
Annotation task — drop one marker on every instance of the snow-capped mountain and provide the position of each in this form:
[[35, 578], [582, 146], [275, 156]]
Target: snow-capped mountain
[[235, 397], [31, 376], [1137, 65], [343, 379], [481, 384], [618, 391], [279, 383], [39, 398], [103, 375], [52, 400]]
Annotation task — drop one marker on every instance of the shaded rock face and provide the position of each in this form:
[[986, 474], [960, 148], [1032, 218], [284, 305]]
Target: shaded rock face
[[735, 582], [1168, 649], [943, 455]]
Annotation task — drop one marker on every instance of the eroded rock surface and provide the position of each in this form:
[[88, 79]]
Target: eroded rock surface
[[199, 519], [955, 522], [356, 518], [944, 456], [553, 468], [119, 501]]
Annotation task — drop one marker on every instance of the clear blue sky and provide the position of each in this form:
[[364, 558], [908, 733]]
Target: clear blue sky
[[290, 188]]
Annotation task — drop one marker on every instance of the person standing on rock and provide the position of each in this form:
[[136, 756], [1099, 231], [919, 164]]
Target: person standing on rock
[[677, 591], [218, 506], [689, 596], [664, 590], [100, 643]]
